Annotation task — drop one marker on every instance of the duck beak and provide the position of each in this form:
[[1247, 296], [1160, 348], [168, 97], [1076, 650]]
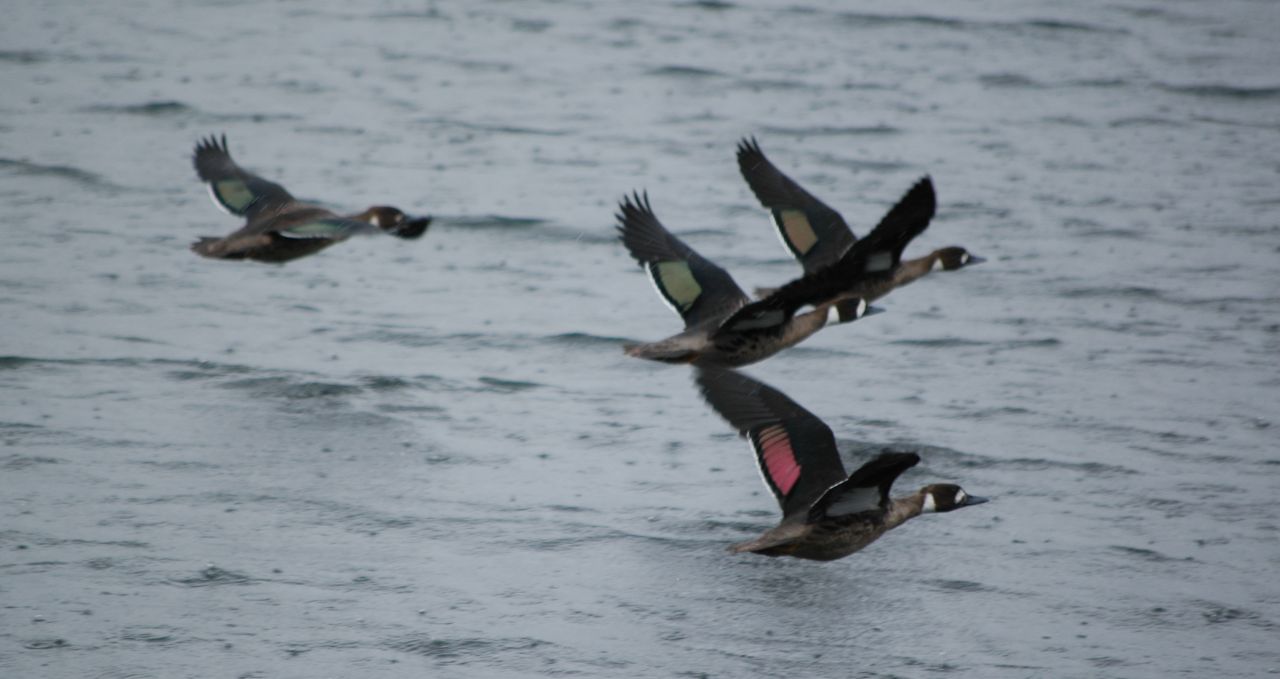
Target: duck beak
[[973, 500], [871, 311], [974, 259], [412, 228]]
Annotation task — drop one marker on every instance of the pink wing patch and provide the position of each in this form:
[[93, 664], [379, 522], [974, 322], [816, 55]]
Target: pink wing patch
[[777, 459]]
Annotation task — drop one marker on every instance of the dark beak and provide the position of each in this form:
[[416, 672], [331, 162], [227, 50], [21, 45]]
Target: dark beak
[[974, 259], [973, 500], [412, 228], [871, 311]]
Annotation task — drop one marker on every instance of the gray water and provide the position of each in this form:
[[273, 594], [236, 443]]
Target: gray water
[[408, 459]]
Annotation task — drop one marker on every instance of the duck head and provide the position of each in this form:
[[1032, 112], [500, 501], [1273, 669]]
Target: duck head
[[395, 222], [946, 497], [952, 258]]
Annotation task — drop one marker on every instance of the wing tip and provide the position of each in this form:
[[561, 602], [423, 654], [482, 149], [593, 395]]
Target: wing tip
[[212, 144], [207, 148], [923, 190], [889, 463], [750, 156], [908, 457], [632, 206], [638, 227]]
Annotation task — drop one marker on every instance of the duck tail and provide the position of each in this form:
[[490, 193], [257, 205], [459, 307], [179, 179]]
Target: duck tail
[[660, 351], [761, 545], [209, 247]]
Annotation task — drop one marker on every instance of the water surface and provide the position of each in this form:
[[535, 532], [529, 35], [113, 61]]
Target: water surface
[[407, 458]]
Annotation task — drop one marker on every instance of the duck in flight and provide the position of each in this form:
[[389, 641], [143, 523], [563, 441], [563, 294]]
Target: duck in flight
[[278, 227], [818, 237], [866, 267], [705, 295], [826, 513]]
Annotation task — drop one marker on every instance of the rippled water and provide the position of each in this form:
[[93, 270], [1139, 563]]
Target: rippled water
[[430, 458]]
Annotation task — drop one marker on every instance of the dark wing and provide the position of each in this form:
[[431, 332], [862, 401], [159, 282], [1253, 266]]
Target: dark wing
[[874, 257], [814, 233], [694, 287], [866, 489], [796, 452], [234, 189]]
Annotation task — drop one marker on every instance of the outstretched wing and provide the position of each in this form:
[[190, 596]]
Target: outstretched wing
[[873, 257], [795, 451], [815, 234], [866, 489], [694, 287], [234, 189]]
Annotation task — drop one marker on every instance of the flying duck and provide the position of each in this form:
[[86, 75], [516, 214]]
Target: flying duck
[[867, 265], [705, 295], [278, 227], [826, 513], [817, 236]]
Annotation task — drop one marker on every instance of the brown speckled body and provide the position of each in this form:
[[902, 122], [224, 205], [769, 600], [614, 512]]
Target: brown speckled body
[[279, 228], [826, 513], [908, 270], [260, 247], [697, 345], [832, 537], [260, 240]]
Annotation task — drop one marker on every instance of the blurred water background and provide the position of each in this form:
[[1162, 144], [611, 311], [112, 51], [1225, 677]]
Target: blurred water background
[[406, 459]]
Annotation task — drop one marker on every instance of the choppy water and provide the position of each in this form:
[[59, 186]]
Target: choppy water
[[431, 459]]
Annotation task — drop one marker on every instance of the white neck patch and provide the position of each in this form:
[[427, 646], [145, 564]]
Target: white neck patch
[[929, 504], [937, 265], [375, 220], [833, 315]]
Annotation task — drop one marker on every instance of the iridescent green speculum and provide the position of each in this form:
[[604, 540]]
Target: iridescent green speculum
[[679, 284], [234, 193]]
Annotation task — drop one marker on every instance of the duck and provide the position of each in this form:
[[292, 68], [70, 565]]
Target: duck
[[279, 228], [704, 295], [826, 513], [817, 236], [869, 263]]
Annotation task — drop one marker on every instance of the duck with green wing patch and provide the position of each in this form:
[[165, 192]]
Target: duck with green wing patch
[[820, 240], [704, 295], [277, 226]]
